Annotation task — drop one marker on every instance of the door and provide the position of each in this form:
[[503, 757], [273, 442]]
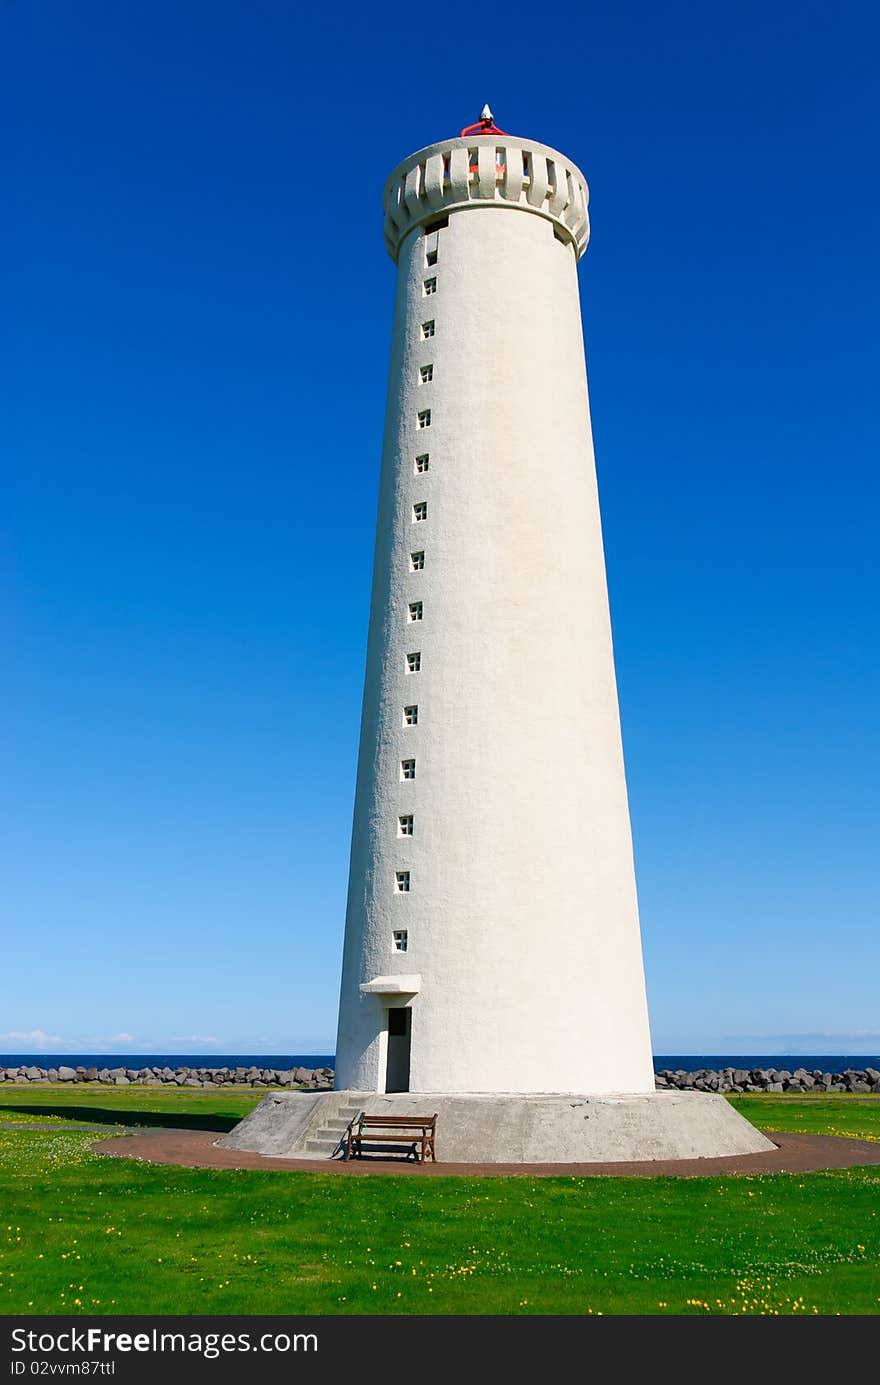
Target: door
[[397, 1064]]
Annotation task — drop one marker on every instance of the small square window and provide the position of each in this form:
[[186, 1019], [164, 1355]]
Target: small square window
[[429, 287], [411, 715], [422, 463], [413, 663], [431, 258], [427, 330], [407, 769], [400, 939], [426, 374], [405, 825], [420, 511], [424, 418], [401, 881], [415, 610], [417, 561]]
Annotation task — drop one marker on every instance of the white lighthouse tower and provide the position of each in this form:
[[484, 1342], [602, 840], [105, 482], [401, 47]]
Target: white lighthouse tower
[[492, 972], [492, 936]]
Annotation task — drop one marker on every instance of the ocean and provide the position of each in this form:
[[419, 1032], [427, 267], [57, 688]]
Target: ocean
[[168, 1060], [686, 1062]]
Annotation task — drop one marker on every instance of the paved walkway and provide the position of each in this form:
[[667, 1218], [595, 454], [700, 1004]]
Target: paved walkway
[[794, 1154]]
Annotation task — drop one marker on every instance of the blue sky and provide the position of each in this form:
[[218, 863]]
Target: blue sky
[[194, 332]]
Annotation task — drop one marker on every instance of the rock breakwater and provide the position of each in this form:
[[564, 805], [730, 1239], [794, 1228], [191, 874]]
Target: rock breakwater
[[173, 1077], [773, 1080]]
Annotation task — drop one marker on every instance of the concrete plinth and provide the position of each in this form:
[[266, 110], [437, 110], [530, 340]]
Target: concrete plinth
[[512, 1128]]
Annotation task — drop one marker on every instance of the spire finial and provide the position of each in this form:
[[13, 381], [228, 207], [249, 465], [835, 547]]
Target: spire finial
[[484, 126]]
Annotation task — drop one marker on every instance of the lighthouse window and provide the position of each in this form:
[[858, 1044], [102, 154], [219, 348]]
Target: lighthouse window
[[407, 769], [430, 257], [426, 373], [424, 418], [413, 663], [411, 716], [420, 511], [430, 286], [405, 826], [401, 939], [417, 561], [401, 879], [427, 330], [422, 463], [414, 611]]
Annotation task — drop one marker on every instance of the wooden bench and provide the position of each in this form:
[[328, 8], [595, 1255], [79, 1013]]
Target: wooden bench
[[415, 1131]]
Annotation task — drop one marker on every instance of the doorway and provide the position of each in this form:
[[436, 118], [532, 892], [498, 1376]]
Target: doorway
[[397, 1062]]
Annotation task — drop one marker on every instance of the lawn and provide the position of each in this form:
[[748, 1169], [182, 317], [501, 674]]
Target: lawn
[[84, 1234]]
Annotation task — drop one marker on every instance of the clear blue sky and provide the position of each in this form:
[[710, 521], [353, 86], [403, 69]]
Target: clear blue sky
[[194, 332]]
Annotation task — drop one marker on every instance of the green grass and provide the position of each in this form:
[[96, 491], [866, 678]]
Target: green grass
[[190, 1107], [813, 1115], [84, 1234]]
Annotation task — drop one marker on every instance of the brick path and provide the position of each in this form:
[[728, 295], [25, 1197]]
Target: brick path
[[794, 1154]]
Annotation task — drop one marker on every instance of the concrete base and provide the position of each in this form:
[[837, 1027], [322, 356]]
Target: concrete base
[[512, 1128]]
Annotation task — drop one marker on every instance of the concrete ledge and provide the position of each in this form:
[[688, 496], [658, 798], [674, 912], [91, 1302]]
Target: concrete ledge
[[392, 985], [522, 1129]]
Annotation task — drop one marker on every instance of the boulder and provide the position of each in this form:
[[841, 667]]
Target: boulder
[[66, 1074], [34, 1074]]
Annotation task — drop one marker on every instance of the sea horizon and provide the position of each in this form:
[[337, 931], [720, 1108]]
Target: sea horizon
[[684, 1062]]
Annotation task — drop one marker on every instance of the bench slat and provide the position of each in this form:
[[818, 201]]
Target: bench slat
[[399, 1120]]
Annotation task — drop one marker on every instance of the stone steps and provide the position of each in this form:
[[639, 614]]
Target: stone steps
[[322, 1144], [326, 1138]]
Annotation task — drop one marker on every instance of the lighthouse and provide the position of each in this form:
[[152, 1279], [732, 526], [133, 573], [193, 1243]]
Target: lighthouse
[[492, 977], [492, 933]]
